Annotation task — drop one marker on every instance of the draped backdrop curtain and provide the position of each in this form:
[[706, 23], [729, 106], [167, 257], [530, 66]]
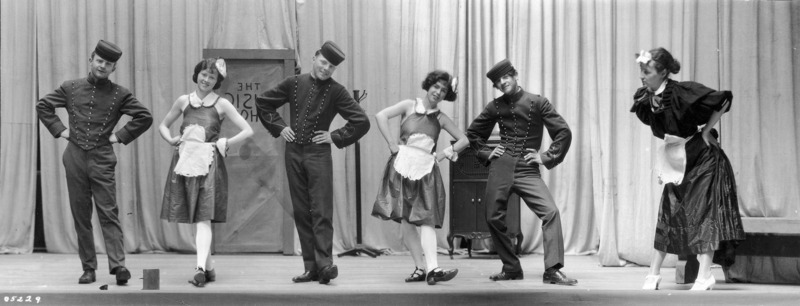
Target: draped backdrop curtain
[[17, 127], [579, 54]]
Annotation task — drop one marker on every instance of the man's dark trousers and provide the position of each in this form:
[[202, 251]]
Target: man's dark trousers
[[91, 173], [309, 168], [509, 174]]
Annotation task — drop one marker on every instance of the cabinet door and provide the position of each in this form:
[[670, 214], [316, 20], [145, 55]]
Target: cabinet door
[[479, 189], [462, 207]]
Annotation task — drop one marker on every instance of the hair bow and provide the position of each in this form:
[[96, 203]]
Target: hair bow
[[644, 57], [220, 64], [454, 85]]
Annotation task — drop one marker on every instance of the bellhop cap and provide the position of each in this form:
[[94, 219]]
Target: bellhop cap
[[499, 70], [108, 51], [332, 53]]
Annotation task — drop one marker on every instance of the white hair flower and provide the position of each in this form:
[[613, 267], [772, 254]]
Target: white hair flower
[[644, 57], [220, 63]]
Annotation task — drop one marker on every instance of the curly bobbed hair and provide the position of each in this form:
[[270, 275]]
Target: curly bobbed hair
[[208, 63], [440, 75]]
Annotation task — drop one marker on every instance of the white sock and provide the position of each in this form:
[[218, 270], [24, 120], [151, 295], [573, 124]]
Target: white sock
[[203, 241], [427, 237]]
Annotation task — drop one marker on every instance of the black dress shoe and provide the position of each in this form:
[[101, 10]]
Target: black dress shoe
[[307, 276], [417, 276], [558, 278], [123, 275], [503, 275], [88, 277], [328, 273], [199, 279], [439, 275]]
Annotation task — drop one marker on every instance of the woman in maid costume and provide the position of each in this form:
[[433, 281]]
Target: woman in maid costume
[[699, 211], [412, 192], [197, 184]]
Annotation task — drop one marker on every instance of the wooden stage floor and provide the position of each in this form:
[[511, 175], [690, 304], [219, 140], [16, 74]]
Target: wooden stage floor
[[265, 279]]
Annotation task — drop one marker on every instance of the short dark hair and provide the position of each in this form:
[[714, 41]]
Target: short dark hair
[[208, 63], [662, 59], [440, 75]]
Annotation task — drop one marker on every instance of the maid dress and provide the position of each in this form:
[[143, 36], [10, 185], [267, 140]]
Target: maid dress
[[412, 187], [197, 181], [699, 210]]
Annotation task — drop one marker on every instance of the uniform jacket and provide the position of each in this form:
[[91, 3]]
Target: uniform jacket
[[94, 108], [522, 118], [313, 104]]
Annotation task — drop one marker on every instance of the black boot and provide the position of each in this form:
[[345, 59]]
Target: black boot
[[123, 275], [555, 276], [307, 276], [328, 273], [503, 275], [88, 277]]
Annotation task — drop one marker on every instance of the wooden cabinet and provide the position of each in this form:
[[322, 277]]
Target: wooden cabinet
[[468, 179]]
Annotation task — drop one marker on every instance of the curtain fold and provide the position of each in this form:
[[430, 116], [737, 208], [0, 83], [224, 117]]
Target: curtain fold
[[760, 134], [18, 125]]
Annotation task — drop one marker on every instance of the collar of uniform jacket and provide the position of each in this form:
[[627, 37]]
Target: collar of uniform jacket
[[513, 97], [98, 82]]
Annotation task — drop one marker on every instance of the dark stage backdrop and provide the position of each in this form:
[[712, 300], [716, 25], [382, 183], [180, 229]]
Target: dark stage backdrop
[[258, 190]]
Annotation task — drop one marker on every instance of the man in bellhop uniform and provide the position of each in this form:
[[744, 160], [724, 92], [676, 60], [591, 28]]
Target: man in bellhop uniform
[[314, 99], [514, 167], [94, 105]]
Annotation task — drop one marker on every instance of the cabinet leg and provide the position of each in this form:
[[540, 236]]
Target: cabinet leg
[[450, 244], [686, 269]]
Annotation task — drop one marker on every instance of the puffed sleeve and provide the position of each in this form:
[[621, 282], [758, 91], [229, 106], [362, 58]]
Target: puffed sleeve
[[641, 106], [700, 102]]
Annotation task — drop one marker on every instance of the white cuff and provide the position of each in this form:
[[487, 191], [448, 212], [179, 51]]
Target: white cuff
[[450, 154]]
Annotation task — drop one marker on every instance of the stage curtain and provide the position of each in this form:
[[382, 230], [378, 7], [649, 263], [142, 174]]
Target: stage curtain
[[17, 127], [760, 62], [579, 54]]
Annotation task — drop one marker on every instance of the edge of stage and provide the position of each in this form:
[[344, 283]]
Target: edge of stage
[[265, 279]]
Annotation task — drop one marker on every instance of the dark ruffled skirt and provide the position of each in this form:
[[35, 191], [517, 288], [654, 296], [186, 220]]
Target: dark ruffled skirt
[[195, 199], [420, 202], [702, 213]]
